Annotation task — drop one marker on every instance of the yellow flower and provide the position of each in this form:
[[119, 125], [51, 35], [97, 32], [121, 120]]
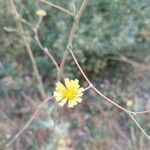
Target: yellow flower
[[41, 12], [71, 92]]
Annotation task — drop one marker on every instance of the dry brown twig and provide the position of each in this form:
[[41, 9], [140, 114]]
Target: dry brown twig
[[30, 120], [60, 69], [71, 36], [57, 7], [45, 49], [26, 42], [130, 113], [98, 92], [143, 131]]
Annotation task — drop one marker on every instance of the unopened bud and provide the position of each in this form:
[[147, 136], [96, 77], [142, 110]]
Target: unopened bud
[[41, 13]]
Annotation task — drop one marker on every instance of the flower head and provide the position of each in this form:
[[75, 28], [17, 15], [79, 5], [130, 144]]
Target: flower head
[[71, 92], [41, 13]]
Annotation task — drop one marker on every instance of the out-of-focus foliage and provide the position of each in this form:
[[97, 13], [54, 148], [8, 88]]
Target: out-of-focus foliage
[[112, 44], [107, 27]]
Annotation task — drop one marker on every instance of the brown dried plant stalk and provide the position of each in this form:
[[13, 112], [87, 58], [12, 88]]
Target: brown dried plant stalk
[[69, 48], [26, 42]]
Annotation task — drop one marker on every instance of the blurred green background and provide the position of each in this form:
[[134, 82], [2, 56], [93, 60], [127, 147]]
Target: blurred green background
[[112, 44]]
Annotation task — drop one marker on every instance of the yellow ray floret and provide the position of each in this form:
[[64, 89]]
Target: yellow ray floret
[[70, 93]]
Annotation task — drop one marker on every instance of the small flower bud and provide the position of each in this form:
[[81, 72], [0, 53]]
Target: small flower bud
[[41, 13], [129, 103]]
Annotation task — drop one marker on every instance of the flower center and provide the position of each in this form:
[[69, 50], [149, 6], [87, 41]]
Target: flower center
[[70, 93]]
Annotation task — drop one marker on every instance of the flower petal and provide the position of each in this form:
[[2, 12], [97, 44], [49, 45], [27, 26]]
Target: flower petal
[[77, 81], [75, 84], [79, 100], [71, 92], [62, 102], [79, 94], [71, 104], [60, 87], [80, 90], [58, 96], [67, 82]]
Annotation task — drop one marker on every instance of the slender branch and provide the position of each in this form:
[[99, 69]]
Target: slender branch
[[99, 93], [132, 117], [92, 86], [142, 112], [75, 24], [28, 48], [35, 30], [71, 36], [87, 88], [131, 113], [82, 72], [56, 6], [30, 120], [64, 58], [45, 50]]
